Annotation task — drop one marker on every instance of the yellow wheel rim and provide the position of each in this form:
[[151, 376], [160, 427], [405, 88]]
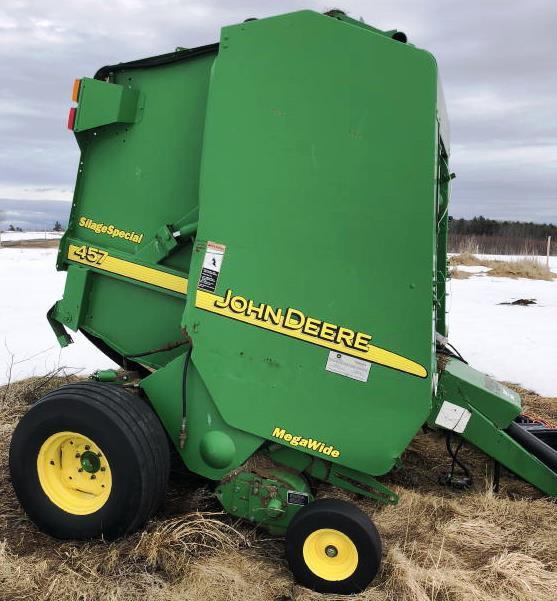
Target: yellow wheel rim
[[74, 473], [330, 554]]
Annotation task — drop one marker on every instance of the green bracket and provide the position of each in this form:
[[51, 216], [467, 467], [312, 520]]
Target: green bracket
[[335, 474], [64, 339], [164, 242], [159, 247], [361, 484], [461, 382], [103, 103], [69, 311], [270, 501], [508, 452], [487, 408]]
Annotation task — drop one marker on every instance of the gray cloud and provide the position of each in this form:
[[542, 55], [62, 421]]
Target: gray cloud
[[496, 60], [33, 214]]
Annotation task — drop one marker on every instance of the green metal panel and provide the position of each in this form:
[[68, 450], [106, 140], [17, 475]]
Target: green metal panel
[[140, 136], [210, 447], [103, 103], [323, 136], [127, 330], [491, 407], [461, 383]]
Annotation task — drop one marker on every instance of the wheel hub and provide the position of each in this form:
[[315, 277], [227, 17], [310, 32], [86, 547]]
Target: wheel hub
[[74, 473], [330, 554], [90, 462]]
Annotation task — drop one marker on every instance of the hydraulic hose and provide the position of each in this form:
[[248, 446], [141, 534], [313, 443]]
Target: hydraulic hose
[[534, 445]]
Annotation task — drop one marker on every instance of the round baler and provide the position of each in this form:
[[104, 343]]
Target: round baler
[[258, 237]]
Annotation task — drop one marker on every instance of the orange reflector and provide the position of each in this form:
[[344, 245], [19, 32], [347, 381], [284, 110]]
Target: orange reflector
[[75, 89], [71, 118]]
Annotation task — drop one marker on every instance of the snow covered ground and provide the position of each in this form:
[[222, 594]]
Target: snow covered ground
[[29, 286], [513, 343], [510, 342], [12, 236]]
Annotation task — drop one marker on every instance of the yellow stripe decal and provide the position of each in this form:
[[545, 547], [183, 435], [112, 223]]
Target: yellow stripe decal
[[294, 323], [94, 257]]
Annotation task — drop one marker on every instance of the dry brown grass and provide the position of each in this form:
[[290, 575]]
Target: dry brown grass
[[526, 267], [440, 544], [466, 258], [529, 267], [458, 274], [30, 244]]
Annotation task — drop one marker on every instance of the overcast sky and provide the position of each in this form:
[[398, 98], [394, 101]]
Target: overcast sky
[[498, 63]]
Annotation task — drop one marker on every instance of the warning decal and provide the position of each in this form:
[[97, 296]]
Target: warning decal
[[212, 262], [453, 417], [348, 366]]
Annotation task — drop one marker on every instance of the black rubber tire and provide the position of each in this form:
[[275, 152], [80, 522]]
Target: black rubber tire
[[351, 521], [130, 435]]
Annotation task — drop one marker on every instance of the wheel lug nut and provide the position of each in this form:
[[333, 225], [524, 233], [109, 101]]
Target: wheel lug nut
[[87, 447], [77, 455], [52, 463], [80, 469], [93, 476], [103, 469]]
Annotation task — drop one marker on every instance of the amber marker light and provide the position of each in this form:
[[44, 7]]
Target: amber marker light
[[75, 89]]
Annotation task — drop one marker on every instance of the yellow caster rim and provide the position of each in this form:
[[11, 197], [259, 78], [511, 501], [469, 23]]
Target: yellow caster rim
[[74, 473], [330, 554]]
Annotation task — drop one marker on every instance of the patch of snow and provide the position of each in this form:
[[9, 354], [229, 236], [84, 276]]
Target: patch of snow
[[30, 285], [512, 343], [473, 268], [14, 236]]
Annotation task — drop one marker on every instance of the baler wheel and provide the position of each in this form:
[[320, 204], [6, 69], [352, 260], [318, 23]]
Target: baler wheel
[[89, 460], [333, 547]]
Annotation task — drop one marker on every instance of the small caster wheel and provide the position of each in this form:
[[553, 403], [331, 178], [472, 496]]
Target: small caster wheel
[[333, 547]]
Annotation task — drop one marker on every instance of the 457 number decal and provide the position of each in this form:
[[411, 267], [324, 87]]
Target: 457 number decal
[[91, 255], [103, 261]]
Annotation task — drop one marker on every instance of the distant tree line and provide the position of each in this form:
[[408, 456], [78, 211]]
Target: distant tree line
[[501, 237], [480, 226], [57, 228]]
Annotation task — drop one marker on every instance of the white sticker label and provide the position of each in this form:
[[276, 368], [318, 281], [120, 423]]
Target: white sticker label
[[212, 263], [348, 366], [452, 417]]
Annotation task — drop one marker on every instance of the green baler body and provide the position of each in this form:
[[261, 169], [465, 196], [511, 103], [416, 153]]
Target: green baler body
[[311, 152]]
